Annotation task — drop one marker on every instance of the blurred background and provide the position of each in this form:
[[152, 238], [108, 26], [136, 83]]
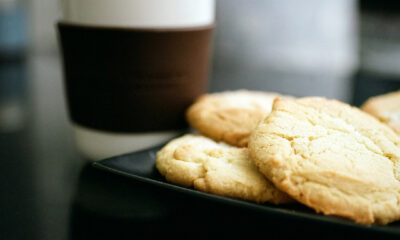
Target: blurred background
[[344, 49]]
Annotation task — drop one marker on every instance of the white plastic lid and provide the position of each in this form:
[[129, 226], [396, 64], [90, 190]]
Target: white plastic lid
[[139, 13]]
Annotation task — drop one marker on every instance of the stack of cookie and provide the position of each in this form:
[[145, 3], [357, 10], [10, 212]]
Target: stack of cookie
[[265, 147]]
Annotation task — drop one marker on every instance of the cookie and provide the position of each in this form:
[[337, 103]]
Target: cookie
[[217, 168], [230, 116], [386, 108], [331, 157]]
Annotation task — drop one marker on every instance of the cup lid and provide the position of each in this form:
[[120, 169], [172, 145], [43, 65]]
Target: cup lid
[[139, 13]]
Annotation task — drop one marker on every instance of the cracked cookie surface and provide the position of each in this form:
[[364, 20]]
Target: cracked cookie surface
[[331, 157], [230, 116], [386, 108], [199, 162]]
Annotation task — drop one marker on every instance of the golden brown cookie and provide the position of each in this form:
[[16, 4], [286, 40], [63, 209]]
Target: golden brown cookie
[[386, 108], [230, 116], [215, 168], [331, 157]]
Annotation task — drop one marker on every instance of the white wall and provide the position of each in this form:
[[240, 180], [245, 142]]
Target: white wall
[[306, 47]]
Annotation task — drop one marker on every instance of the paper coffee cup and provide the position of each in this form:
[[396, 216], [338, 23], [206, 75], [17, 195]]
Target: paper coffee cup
[[95, 143]]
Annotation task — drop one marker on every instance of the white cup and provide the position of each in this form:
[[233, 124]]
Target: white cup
[[96, 144]]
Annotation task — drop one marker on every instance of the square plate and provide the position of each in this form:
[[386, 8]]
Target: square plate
[[140, 166]]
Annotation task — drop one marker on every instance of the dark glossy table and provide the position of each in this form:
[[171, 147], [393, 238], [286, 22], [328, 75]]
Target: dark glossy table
[[49, 192]]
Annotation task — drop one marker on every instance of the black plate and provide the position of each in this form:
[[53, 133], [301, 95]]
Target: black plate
[[141, 167]]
